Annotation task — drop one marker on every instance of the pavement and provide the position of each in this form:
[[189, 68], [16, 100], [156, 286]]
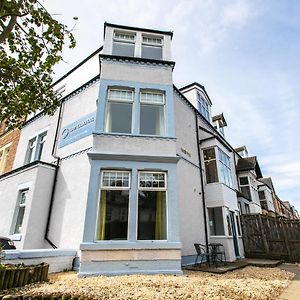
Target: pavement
[[292, 292]]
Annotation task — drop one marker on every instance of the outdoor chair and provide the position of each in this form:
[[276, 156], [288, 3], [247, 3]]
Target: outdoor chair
[[201, 252], [217, 253]]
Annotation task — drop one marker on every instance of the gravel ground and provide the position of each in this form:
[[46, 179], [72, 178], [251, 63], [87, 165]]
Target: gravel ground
[[247, 283]]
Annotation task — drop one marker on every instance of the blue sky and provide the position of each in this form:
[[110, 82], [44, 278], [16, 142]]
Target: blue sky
[[245, 53]]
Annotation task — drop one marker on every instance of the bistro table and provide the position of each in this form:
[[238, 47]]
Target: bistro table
[[217, 253]]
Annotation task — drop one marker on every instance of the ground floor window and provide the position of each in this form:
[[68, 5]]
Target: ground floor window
[[216, 223], [22, 199], [152, 208], [113, 208]]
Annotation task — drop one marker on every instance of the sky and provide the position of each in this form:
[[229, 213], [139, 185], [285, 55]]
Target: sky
[[245, 52]]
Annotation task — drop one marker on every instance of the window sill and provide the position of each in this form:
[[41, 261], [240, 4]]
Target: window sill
[[16, 237], [135, 135]]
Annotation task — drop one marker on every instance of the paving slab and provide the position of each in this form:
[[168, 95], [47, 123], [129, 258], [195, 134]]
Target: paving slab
[[261, 262], [292, 292]]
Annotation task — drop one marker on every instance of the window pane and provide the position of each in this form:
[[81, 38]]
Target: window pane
[[215, 217], [152, 180], [261, 195], [119, 117], [152, 52], [264, 205], [238, 224], [152, 40], [243, 180], [115, 179], [246, 191], [124, 36], [123, 49], [20, 219], [152, 119], [152, 221], [209, 154], [120, 95], [113, 212], [152, 97], [211, 171]]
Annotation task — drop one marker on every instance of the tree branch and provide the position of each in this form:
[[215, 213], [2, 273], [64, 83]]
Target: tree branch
[[7, 30]]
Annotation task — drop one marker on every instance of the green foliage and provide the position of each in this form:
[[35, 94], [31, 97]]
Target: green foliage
[[31, 43]]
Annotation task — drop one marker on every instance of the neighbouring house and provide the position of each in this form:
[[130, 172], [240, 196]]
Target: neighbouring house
[[130, 171]]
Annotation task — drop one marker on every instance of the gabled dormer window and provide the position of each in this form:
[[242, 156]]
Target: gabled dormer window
[[152, 47], [203, 107], [123, 44]]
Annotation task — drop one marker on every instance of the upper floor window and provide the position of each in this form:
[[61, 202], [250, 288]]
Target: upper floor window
[[245, 187], [152, 47], [225, 169], [119, 110], [203, 106], [35, 148], [152, 206], [152, 112], [210, 162], [263, 200], [3, 157], [123, 44], [114, 203]]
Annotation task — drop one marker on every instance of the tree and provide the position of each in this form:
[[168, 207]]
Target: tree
[[31, 43]]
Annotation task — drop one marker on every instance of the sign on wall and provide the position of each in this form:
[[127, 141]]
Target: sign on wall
[[77, 130]]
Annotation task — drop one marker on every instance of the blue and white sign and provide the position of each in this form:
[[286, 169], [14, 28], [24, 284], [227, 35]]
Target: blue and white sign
[[77, 130]]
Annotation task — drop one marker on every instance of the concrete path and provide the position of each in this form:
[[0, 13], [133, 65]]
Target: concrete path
[[292, 292]]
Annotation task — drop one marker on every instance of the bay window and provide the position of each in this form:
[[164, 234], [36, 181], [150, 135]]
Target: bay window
[[152, 47], [245, 187], [225, 170], [123, 44], [152, 206], [263, 200], [210, 165], [113, 208], [152, 112], [203, 107], [119, 110]]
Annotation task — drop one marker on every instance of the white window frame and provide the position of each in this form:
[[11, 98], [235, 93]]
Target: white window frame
[[19, 205], [165, 188], [228, 168], [124, 89], [36, 139], [157, 92], [203, 105], [102, 187], [154, 37], [124, 33]]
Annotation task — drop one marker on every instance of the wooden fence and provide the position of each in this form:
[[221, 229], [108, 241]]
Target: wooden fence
[[269, 237]]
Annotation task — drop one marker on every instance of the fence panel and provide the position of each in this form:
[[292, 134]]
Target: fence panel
[[271, 237]]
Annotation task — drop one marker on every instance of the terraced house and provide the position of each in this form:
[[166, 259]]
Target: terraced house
[[130, 171]]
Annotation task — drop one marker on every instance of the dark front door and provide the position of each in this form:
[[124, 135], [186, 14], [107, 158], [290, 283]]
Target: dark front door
[[235, 240]]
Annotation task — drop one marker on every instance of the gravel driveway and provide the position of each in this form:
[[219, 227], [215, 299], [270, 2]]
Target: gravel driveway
[[247, 283]]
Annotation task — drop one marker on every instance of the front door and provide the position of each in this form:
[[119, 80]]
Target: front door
[[235, 240]]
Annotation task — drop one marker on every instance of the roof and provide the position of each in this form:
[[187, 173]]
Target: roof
[[191, 85], [221, 118], [248, 164], [241, 148], [268, 181], [137, 29]]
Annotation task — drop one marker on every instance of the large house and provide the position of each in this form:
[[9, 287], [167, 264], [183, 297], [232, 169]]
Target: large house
[[131, 170]]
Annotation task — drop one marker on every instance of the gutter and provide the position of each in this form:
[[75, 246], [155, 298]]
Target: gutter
[[55, 178], [202, 183]]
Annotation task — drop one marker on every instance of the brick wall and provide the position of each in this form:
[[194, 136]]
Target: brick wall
[[6, 137]]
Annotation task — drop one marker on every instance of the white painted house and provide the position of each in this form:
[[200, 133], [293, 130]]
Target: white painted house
[[130, 171]]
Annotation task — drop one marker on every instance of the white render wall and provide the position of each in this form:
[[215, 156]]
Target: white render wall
[[67, 221], [38, 179], [191, 217]]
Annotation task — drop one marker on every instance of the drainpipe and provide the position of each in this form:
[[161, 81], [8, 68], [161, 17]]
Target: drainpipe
[[55, 178], [202, 182]]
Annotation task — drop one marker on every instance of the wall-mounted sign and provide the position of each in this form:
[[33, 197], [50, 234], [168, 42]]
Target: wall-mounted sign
[[77, 130]]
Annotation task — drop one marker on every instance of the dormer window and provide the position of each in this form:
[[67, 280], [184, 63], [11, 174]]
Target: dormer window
[[203, 107], [152, 47], [123, 44], [219, 123]]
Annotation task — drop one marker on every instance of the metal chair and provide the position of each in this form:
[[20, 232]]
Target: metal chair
[[202, 252], [217, 253]]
